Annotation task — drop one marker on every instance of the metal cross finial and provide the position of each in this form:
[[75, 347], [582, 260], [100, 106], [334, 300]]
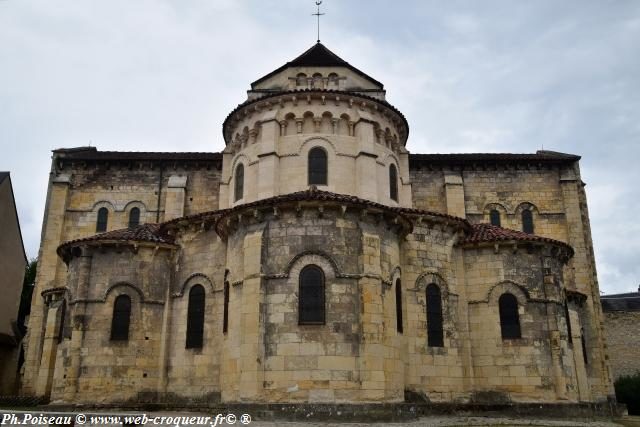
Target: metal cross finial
[[318, 14]]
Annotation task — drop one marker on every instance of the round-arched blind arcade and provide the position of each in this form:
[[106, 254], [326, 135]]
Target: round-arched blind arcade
[[195, 317], [509, 317], [239, 183], [103, 218], [435, 332], [393, 183], [311, 308], [121, 318], [317, 166]]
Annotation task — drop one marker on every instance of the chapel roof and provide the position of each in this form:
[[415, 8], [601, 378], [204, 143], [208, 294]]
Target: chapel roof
[[317, 55], [482, 233], [92, 153]]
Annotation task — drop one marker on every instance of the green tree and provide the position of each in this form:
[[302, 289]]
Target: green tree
[[27, 291]]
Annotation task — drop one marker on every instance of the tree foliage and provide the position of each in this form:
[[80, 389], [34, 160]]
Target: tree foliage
[[628, 392]]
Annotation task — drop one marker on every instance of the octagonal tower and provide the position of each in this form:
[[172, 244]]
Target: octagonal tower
[[321, 119]]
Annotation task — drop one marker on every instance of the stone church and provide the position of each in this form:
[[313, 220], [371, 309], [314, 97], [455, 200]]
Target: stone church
[[315, 259]]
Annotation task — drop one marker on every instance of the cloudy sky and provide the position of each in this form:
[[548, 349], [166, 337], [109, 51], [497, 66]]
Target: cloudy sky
[[490, 76]]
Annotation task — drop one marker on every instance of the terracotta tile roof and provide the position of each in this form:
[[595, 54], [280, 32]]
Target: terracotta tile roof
[[481, 233], [467, 158], [143, 233], [324, 91], [91, 153], [317, 56]]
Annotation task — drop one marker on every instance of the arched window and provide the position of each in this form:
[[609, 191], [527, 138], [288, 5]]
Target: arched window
[[399, 325], [195, 317], [568, 320], [393, 182], [120, 319], [317, 81], [317, 166], [134, 217], [435, 333], [225, 308], [103, 218], [311, 296], [239, 182], [301, 79], [333, 79], [509, 317], [527, 221], [494, 217]]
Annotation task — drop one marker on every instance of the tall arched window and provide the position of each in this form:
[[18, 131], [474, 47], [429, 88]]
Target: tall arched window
[[527, 221], [239, 182], [393, 182], [435, 332], [225, 308], [509, 317], [121, 318], [311, 296], [195, 317], [103, 218], [317, 166], [399, 324], [134, 217], [494, 217]]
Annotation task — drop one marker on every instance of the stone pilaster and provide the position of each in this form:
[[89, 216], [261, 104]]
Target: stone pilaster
[[454, 191], [174, 201]]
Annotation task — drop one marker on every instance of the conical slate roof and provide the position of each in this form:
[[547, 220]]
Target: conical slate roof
[[318, 56]]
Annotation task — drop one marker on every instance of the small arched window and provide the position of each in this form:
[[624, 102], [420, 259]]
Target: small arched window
[[239, 182], [527, 221], [195, 317], [225, 308], [333, 79], [393, 182], [494, 217], [301, 79], [317, 81], [103, 219], [317, 166], [121, 318], [134, 217], [435, 332], [311, 309], [399, 323], [509, 317]]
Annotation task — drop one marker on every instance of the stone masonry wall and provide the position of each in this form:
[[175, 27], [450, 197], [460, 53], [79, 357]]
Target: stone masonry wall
[[622, 333]]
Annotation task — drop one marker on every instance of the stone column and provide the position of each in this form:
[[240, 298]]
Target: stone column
[[268, 161], [48, 265], [175, 198], [53, 321]]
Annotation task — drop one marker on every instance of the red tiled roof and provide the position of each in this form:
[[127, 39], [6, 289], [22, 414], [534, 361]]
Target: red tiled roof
[[143, 233], [481, 233]]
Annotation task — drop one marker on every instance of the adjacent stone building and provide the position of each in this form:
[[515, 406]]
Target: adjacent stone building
[[13, 261], [316, 260], [622, 332]]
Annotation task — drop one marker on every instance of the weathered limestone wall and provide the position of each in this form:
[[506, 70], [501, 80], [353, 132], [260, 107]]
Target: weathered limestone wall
[[622, 335]]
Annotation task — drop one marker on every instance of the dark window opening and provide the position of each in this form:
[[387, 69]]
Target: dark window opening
[[568, 320], [63, 315], [195, 317], [311, 308], [103, 218], [393, 182], [399, 323], [121, 318], [527, 221], [584, 347], [317, 166], [509, 317], [494, 217], [225, 310], [239, 183], [435, 332], [134, 217]]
